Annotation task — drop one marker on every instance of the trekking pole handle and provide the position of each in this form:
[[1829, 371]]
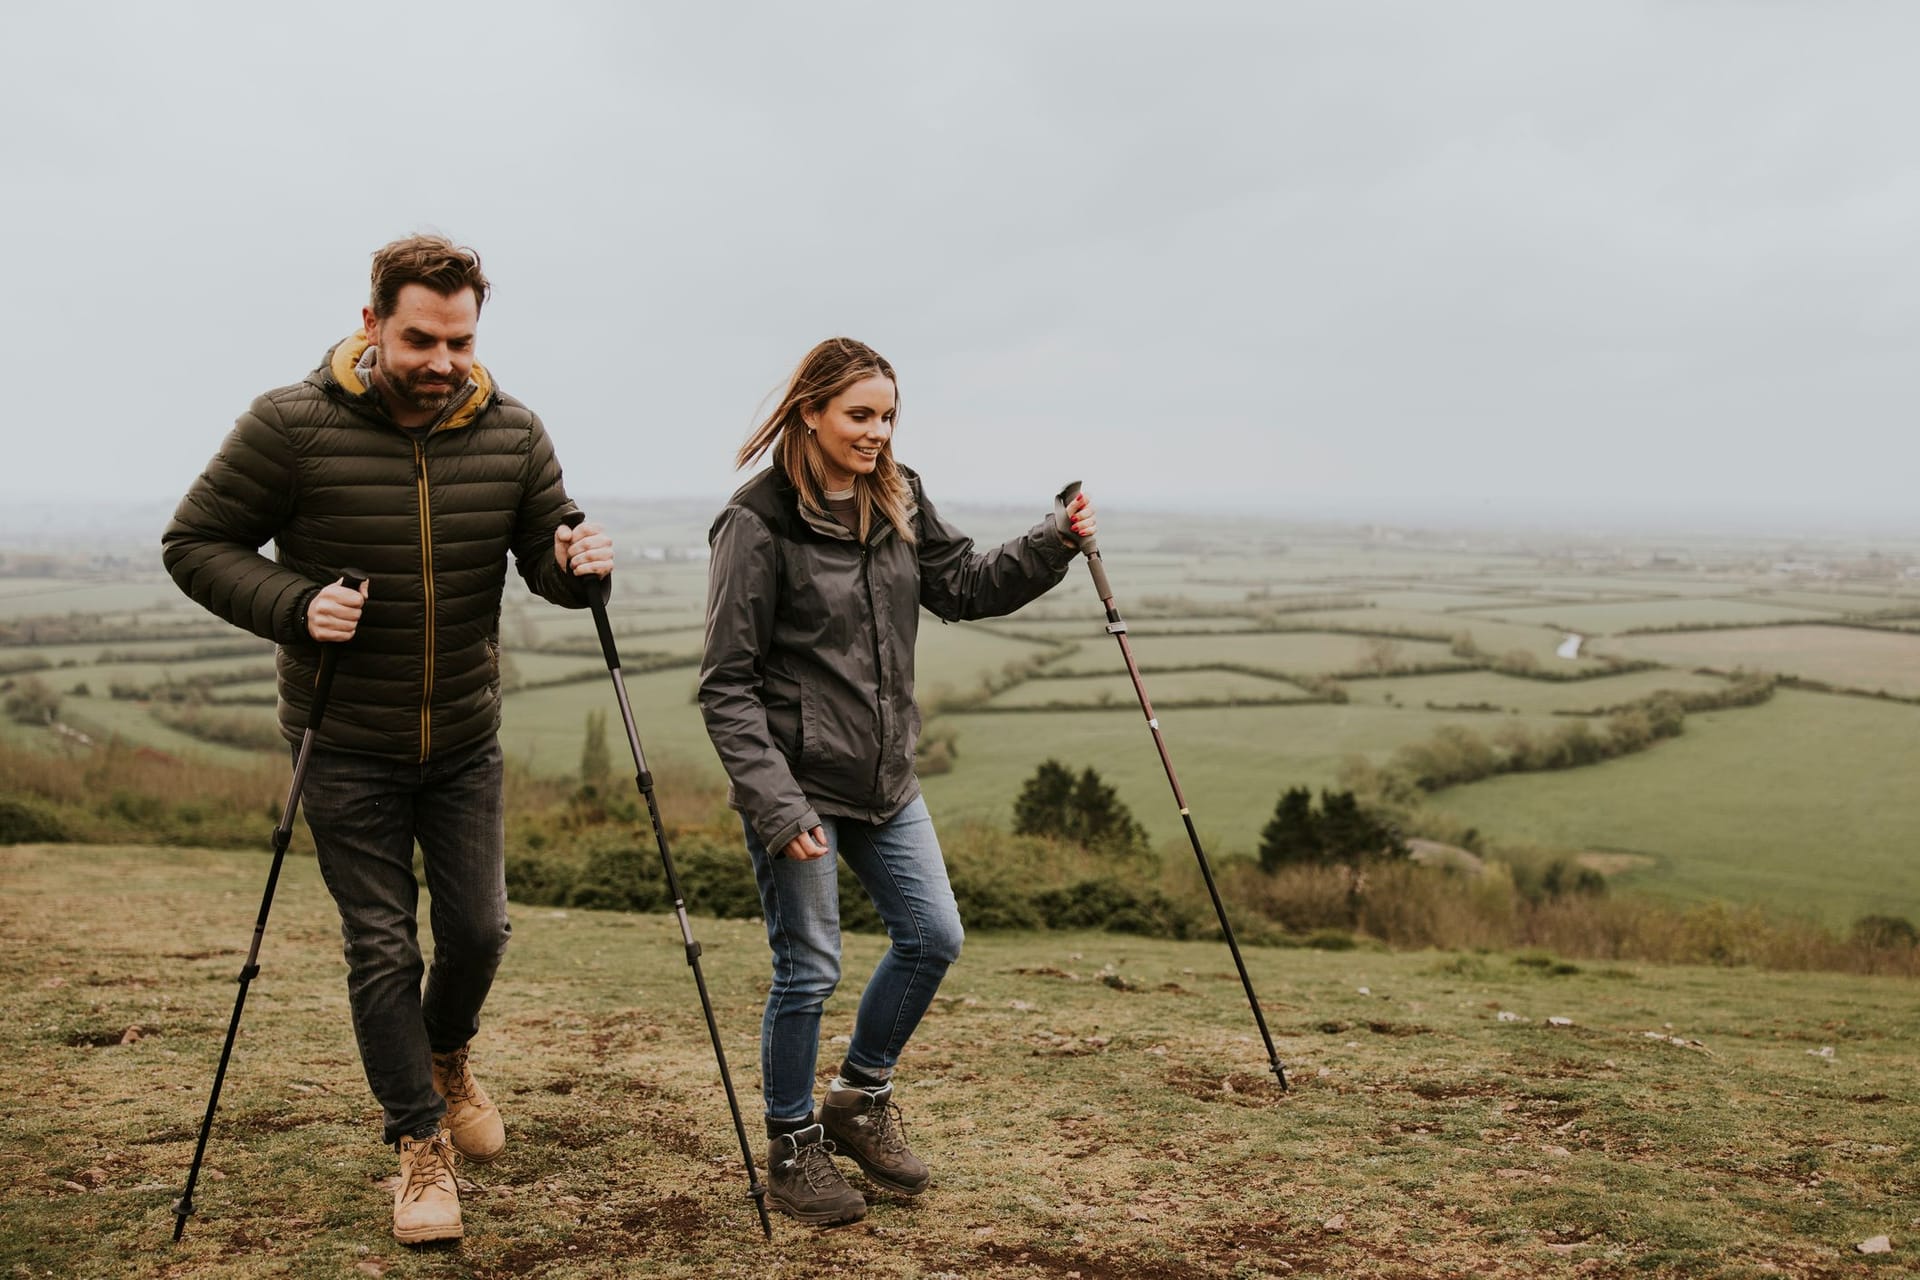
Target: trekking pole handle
[[598, 593], [1087, 546], [352, 580]]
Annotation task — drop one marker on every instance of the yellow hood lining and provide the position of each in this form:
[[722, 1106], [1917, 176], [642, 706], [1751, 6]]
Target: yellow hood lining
[[343, 364]]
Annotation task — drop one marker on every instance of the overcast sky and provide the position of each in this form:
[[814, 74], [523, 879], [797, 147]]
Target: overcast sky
[[1308, 257]]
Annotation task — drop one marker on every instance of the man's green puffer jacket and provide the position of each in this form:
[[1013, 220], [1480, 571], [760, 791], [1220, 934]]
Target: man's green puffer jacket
[[321, 471]]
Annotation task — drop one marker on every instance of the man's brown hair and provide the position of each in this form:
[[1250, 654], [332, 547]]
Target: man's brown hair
[[434, 261]]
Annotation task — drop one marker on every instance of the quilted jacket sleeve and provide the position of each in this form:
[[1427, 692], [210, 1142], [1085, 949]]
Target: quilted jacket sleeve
[[212, 545], [543, 503]]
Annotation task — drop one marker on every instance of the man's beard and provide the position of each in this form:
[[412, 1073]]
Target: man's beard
[[408, 392]]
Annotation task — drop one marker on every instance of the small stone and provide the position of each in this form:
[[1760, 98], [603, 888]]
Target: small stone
[[1559, 1022], [1365, 991], [1508, 1015], [1878, 1244], [1338, 1222]]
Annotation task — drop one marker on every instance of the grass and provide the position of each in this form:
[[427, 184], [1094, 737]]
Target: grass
[[1091, 1105], [1844, 656], [1799, 803]]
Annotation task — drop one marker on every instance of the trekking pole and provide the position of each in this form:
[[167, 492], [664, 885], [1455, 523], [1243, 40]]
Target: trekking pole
[[598, 594], [1117, 628], [282, 835]]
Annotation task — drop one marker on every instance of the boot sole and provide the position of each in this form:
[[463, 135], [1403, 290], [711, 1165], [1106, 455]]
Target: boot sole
[[879, 1178], [480, 1159], [819, 1218], [429, 1235]]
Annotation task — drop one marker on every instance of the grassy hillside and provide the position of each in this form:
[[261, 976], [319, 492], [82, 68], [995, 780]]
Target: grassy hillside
[[1092, 1106]]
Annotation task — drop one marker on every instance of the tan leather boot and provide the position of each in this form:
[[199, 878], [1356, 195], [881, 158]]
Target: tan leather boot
[[426, 1204], [472, 1120]]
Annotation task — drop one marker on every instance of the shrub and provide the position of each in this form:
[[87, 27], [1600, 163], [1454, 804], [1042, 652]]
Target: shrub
[[32, 702], [25, 821], [1885, 932], [1084, 810]]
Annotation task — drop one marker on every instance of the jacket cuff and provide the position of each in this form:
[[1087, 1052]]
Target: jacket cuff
[[294, 625], [1052, 544], [784, 836]]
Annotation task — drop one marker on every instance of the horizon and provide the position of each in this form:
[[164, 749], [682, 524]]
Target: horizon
[[32, 522]]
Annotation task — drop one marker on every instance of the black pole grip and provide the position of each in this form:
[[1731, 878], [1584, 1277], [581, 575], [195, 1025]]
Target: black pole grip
[[604, 593], [353, 580]]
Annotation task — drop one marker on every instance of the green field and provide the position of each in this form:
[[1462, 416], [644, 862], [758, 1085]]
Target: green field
[[1496, 638], [1805, 803], [1175, 686], [149, 593], [1849, 657], [1540, 697], [1233, 762], [1297, 653], [1610, 617]]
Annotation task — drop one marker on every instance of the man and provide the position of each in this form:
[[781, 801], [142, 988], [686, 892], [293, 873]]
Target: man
[[400, 458]]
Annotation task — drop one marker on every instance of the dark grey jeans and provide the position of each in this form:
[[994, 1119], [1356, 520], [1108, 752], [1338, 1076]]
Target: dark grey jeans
[[365, 814]]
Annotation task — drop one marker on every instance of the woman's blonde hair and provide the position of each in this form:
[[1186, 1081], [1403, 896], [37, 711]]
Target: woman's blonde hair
[[828, 370]]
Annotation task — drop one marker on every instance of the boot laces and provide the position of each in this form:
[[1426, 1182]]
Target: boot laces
[[432, 1165], [888, 1126], [814, 1163], [459, 1080]]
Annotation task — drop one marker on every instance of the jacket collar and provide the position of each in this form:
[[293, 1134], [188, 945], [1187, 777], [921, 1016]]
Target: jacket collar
[[343, 364], [820, 522]]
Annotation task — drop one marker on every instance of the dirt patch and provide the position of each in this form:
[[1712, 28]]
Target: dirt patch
[[110, 1038], [1050, 1262], [1234, 1087], [679, 1216], [1445, 1090]]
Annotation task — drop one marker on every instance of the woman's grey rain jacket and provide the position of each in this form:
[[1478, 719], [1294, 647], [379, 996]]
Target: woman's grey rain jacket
[[807, 683]]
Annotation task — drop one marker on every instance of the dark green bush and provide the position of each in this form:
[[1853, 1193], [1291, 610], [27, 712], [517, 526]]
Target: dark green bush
[[23, 821]]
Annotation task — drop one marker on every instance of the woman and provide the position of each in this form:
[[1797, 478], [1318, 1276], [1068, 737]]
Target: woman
[[820, 567]]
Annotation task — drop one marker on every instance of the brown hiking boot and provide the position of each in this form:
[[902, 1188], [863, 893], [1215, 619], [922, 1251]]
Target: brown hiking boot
[[803, 1183], [426, 1204], [866, 1124], [472, 1120]]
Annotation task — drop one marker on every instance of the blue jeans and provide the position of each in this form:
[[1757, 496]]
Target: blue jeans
[[365, 814], [900, 865]]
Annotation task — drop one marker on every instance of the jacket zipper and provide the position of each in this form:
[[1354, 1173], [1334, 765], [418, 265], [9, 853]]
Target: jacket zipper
[[879, 668], [426, 579]]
